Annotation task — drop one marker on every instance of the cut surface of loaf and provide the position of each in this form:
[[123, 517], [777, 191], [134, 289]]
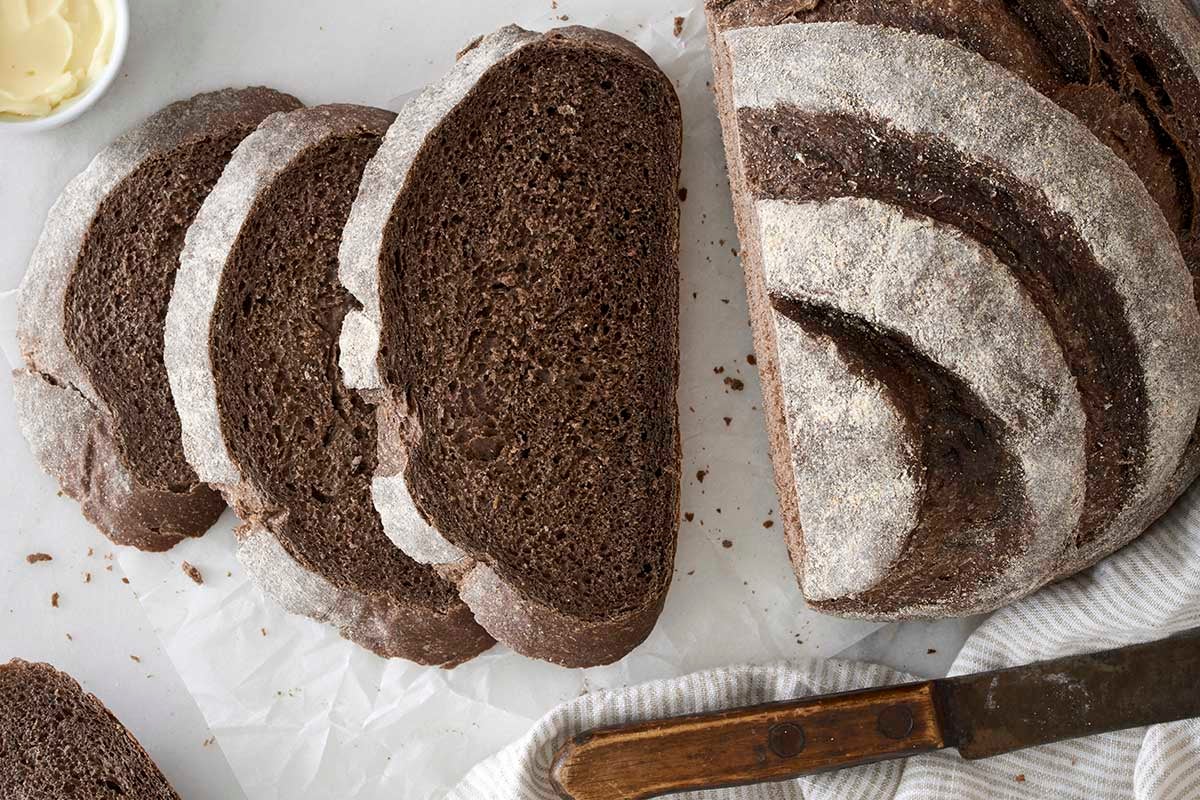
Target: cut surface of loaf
[[251, 351], [58, 741], [513, 248], [93, 399], [992, 272]]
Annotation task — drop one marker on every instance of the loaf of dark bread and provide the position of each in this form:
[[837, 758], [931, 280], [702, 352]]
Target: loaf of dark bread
[[252, 356], [58, 741], [976, 326], [93, 399], [514, 251]]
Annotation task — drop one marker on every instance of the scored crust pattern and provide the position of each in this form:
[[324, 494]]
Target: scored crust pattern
[[934, 246]]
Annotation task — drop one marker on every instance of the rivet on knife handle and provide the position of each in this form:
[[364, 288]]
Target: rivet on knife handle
[[770, 742]]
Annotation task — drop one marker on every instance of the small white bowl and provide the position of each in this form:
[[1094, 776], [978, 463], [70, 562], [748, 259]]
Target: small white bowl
[[76, 106]]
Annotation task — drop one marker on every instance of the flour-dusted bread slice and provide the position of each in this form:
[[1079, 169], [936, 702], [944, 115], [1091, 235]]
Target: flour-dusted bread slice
[[93, 398], [990, 274], [58, 741], [251, 351], [1128, 69], [514, 251]]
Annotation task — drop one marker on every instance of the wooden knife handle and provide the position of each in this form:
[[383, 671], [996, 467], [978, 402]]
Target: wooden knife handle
[[770, 742]]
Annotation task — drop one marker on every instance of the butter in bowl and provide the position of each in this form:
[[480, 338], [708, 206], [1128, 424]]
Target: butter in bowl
[[57, 57]]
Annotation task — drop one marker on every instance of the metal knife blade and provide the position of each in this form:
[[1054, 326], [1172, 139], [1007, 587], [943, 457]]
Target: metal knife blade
[[996, 712]]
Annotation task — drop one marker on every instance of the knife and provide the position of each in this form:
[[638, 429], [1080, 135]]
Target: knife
[[981, 715]]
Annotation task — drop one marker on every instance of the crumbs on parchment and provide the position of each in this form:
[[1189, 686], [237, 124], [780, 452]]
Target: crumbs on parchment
[[192, 572]]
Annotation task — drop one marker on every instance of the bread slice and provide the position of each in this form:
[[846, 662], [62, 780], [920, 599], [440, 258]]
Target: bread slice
[[884, 182], [93, 399], [251, 353], [58, 741], [514, 251]]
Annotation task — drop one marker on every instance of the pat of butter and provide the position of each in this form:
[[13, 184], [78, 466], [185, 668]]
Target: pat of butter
[[51, 51]]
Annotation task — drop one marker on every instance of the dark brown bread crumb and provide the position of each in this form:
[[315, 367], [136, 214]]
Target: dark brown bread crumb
[[689, 516], [768, 523], [679, 26], [734, 384], [726, 543], [192, 572], [34, 558], [559, 398], [683, 199], [305, 443], [54, 600], [701, 474], [277, 423], [58, 741], [751, 359]]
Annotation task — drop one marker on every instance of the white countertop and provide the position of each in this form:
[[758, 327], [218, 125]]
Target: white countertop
[[371, 52]]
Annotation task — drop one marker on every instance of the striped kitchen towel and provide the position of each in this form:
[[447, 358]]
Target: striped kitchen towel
[[1149, 590]]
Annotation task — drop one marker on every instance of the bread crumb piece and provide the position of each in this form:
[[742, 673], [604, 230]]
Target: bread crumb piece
[[700, 474], [125, 580], [70, 638], [735, 384], [87, 577], [34, 558], [679, 26], [263, 631], [728, 420], [564, 17], [689, 516], [1020, 778], [768, 523], [718, 370], [691, 572], [751, 359], [683, 194], [930, 651], [228, 574], [209, 741], [54, 599], [193, 573], [135, 659], [108, 568], [726, 544]]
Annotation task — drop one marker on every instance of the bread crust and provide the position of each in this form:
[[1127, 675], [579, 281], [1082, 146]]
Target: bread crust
[[383, 624], [76, 444], [988, 112], [513, 616]]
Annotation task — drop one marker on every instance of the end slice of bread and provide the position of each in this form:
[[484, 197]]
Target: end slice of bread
[[514, 250], [58, 741], [252, 352], [93, 398]]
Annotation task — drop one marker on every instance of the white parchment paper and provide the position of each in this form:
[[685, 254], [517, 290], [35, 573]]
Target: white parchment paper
[[299, 712]]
